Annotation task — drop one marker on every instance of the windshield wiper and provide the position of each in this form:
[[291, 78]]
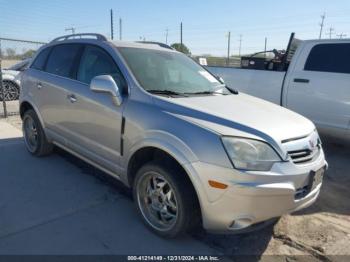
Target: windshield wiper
[[166, 92], [216, 91], [204, 93], [232, 90]]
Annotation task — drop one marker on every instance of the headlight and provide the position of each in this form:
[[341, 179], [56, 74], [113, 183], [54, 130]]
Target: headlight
[[250, 154]]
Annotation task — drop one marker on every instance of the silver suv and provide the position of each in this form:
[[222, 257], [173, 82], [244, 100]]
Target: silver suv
[[192, 149]]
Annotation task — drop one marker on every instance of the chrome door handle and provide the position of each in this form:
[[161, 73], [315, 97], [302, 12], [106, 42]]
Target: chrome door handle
[[72, 98], [39, 85]]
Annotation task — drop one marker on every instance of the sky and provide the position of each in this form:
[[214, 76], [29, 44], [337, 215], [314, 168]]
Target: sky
[[205, 23]]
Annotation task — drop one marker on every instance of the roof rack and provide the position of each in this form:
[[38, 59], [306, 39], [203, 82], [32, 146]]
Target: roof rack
[[79, 36], [156, 43]]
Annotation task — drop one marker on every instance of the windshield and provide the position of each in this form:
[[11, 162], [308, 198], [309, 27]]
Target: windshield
[[159, 71]]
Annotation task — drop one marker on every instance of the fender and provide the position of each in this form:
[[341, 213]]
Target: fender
[[166, 142]]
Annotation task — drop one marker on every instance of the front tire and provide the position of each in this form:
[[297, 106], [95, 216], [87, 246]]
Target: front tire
[[164, 199], [34, 136]]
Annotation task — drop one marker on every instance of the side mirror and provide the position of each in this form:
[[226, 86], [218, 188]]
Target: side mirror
[[106, 84]]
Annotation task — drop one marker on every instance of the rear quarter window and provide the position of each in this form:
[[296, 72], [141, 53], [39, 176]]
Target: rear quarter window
[[331, 58], [40, 60]]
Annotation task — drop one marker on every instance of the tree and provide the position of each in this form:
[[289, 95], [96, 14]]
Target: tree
[[28, 54], [184, 49]]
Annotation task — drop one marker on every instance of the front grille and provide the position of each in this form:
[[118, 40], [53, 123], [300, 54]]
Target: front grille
[[305, 155]]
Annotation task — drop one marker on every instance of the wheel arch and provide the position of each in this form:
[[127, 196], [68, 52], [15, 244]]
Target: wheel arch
[[150, 153], [26, 105]]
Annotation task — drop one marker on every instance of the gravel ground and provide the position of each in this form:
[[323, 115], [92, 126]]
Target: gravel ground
[[8, 63], [320, 232]]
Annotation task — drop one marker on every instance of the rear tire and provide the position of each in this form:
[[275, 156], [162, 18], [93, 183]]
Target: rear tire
[[169, 208], [34, 136]]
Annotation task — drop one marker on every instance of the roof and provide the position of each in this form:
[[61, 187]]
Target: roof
[[145, 45]]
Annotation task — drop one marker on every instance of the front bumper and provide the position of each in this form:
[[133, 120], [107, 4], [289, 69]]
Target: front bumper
[[251, 197]]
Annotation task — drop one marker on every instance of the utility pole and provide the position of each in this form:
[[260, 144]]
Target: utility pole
[[181, 37], [72, 29], [112, 29], [240, 45], [228, 48], [341, 35], [265, 48], [166, 35], [120, 29], [322, 24], [331, 31]]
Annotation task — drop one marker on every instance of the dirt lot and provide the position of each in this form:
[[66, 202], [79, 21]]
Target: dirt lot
[[320, 232], [8, 63]]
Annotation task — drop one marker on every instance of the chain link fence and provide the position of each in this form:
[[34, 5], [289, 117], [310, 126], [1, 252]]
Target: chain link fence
[[15, 55]]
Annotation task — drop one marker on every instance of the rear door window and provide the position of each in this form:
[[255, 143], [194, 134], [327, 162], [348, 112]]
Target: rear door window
[[331, 58], [62, 60]]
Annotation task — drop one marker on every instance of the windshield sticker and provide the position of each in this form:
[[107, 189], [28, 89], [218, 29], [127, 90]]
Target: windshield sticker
[[208, 76]]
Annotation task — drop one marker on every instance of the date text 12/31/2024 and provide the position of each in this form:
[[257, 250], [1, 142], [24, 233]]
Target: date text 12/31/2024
[[173, 258]]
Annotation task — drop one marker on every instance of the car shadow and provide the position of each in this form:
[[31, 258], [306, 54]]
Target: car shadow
[[101, 176]]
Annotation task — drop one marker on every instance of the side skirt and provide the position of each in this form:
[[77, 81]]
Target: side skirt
[[89, 161]]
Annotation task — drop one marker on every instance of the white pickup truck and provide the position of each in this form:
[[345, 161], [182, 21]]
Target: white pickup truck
[[315, 84]]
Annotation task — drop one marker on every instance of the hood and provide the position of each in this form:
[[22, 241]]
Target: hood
[[239, 114]]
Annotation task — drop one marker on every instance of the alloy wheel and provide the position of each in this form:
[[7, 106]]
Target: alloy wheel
[[30, 132], [157, 201], [10, 91]]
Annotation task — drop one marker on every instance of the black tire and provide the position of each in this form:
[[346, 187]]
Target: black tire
[[42, 147], [184, 194]]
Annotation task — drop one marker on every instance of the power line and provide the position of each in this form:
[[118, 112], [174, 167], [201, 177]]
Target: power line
[[72, 29], [341, 35], [322, 24]]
